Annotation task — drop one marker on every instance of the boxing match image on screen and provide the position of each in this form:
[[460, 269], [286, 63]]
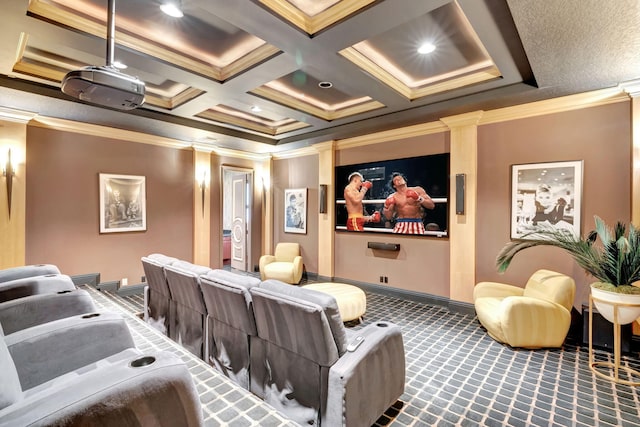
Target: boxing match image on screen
[[403, 196]]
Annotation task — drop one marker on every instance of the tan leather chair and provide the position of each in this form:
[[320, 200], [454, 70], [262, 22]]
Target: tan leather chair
[[536, 316], [286, 265]]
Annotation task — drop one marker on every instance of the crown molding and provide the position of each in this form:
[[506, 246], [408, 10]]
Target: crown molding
[[107, 132], [299, 152], [555, 105], [228, 152], [18, 116], [392, 134]]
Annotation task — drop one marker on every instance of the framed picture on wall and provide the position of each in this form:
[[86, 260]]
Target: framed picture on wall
[[123, 203], [545, 195], [295, 210]]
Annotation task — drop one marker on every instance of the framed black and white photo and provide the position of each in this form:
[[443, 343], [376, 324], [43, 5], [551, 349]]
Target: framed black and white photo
[[122, 203], [545, 195], [295, 210]]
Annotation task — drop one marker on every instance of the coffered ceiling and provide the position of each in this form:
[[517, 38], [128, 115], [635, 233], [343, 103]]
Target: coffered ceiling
[[261, 75]]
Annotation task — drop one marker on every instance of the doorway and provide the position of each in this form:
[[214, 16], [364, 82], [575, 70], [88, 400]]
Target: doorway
[[237, 203]]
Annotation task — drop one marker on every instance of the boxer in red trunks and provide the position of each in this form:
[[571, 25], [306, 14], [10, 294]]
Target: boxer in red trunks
[[354, 193], [406, 203]]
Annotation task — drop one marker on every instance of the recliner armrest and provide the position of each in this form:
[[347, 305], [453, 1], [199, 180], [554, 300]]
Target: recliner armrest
[[159, 391], [43, 352], [495, 290], [363, 383], [34, 310]]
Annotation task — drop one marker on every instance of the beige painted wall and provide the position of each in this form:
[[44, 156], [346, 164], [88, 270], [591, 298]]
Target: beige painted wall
[[601, 136], [298, 172], [422, 265], [62, 213], [62, 199]]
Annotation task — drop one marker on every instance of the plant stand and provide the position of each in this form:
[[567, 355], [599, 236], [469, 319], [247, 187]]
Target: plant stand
[[616, 347]]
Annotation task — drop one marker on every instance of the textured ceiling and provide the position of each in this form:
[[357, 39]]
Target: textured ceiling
[[205, 71]]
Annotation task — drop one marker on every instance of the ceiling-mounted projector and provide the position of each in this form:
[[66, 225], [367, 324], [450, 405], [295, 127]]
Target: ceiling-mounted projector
[[105, 85]]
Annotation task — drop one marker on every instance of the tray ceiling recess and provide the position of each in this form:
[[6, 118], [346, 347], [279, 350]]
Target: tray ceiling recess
[[246, 73]]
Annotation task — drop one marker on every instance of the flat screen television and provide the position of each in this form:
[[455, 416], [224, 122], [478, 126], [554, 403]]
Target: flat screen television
[[425, 174]]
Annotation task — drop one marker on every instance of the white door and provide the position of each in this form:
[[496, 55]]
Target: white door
[[240, 219]]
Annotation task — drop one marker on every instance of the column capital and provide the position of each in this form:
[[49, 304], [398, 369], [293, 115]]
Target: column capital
[[631, 87], [461, 120], [325, 146]]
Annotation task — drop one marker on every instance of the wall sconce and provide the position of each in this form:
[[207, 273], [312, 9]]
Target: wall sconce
[[203, 188], [8, 172]]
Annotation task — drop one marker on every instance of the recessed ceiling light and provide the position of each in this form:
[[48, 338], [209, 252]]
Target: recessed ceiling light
[[119, 65], [426, 48], [172, 9], [325, 85], [256, 109]]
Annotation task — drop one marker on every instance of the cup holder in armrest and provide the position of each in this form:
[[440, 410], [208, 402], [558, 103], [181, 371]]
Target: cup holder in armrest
[[90, 315], [382, 325], [50, 275], [143, 361], [64, 292]]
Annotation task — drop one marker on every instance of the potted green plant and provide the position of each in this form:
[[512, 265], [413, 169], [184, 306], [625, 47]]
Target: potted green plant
[[614, 262]]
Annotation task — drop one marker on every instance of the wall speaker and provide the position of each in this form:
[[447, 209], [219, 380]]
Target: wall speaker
[[384, 246], [460, 183], [322, 203]]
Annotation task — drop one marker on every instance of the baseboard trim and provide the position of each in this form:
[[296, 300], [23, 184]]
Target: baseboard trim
[[423, 298], [91, 279], [462, 307], [399, 293], [310, 276], [131, 289], [108, 286]]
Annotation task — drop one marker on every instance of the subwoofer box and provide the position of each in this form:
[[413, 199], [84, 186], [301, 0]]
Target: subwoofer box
[[603, 332]]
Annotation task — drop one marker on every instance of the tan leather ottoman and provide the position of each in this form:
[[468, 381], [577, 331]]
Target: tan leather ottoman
[[352, 301]]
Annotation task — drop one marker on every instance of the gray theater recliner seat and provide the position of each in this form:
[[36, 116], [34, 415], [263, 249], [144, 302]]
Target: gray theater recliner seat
[[308, 369], [104, 381], [187, 303], [157, 296], [34, 310], [231, 327], [34, 285], [51, 349], [21, 272]]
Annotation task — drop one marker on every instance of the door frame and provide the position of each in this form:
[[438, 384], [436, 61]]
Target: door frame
[[249, 173]]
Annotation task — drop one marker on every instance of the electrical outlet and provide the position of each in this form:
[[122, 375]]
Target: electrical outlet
[[381, 279], [143, 279], [124, 281], [386, 279]]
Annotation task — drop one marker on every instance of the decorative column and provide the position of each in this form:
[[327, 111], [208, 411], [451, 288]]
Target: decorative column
[[326, 219], [13, 181], [265, 179], [462, 228], [633, 90], [201, 206]]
